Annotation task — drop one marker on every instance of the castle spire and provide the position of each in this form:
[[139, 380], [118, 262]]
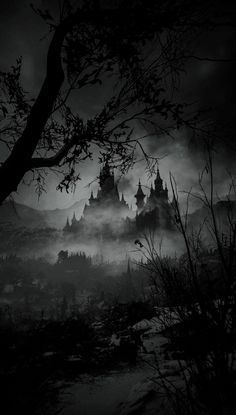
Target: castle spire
[[73, 219], [91, 196], [166, 191], [158, 183], [67, 225], [139, 197], [107, 181]]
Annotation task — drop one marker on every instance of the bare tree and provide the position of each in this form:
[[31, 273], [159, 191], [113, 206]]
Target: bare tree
[[198, 292], [140, 46]]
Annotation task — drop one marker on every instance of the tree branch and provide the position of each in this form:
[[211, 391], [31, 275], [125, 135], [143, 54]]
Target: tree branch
[[37, 162]]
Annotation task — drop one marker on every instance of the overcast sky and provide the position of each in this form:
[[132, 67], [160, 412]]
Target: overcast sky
[[210, 84]]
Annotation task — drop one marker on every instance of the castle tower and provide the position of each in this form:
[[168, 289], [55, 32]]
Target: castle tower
[[91, 199], [74, 221], [122, 200], [116, 192], [152, 193], [166, 192], [106, 177], [108, 187], [158, 184], [139, 198], [74, 224], [67, 226]]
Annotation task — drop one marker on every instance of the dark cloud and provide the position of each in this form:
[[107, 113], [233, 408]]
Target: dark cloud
[[208, 84], [212, 85]]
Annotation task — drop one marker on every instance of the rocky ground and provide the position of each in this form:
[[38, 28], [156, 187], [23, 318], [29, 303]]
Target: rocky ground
[[136, 389]]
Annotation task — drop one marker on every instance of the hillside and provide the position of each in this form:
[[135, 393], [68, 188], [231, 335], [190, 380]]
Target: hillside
[[21, 215], [223, 209]]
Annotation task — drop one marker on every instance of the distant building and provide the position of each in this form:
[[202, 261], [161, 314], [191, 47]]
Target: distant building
[[156, 213], [108, 214], [140, 196]]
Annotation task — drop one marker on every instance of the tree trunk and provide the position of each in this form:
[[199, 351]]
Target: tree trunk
[[18, 163]]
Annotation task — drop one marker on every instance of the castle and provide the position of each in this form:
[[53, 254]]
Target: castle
[[108, 215]]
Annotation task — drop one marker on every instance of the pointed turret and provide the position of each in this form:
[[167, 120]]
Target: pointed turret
[[107, 182], [91, 199], [166, 192], [67, 226], [74, 220], [151, 190], [116, 192], [158, 184], [122, 200], [139, 198], [105, 173]]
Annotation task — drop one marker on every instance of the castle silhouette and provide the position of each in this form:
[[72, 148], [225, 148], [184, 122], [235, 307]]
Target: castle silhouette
[[108, 215]]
